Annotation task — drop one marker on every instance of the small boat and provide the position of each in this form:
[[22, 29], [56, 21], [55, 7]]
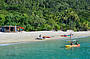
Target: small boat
[[69, 46]]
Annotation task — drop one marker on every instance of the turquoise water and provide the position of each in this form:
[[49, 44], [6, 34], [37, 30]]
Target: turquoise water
[[50, 49]]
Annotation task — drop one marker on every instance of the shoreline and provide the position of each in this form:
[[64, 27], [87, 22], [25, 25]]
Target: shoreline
[[23, 37], [14, 43]]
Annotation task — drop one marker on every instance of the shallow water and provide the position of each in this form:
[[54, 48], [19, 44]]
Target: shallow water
[[50, 49]]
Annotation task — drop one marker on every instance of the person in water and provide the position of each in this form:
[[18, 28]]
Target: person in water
[[71, 43], [76, 43]]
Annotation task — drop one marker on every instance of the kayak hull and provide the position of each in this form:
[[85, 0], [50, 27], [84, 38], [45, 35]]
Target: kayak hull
[[68, 46]]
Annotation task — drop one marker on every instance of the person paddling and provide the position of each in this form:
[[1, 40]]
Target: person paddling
[[76, 43], [71, 43]]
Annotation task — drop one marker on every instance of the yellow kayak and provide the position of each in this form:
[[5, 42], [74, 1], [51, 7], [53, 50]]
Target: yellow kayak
[[68, 46]]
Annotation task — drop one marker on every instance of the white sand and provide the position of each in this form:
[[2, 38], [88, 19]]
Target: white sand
[[31, 36]]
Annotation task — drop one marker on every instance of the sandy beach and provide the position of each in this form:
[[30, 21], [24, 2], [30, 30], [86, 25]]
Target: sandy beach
[[31, 36]]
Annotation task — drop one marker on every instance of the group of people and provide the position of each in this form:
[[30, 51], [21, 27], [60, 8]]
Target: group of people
[[76, 43]]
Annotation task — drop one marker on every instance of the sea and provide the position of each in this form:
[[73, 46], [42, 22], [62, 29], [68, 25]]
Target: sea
[[48, 49]]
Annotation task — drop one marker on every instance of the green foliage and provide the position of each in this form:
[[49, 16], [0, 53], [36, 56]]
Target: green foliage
[[37, 15], [2, 19]]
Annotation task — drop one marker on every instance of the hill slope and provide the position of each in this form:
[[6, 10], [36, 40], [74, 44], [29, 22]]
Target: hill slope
[[46, 14]]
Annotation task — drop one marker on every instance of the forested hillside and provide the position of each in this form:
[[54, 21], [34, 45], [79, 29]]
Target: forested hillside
[[36, 15]]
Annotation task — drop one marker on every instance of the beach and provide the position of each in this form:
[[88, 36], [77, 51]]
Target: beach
[[17, 37]]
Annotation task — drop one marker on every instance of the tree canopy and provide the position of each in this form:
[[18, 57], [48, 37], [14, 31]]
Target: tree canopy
[[37, 15]]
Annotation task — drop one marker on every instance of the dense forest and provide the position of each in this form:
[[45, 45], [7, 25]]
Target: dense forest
[[37, 15]]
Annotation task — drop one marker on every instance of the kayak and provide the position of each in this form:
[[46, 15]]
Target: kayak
[[66, 35], [46, 37], [63, 35], [68, 46]]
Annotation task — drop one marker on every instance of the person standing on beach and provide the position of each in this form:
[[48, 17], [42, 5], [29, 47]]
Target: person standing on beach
[[39, 35]]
